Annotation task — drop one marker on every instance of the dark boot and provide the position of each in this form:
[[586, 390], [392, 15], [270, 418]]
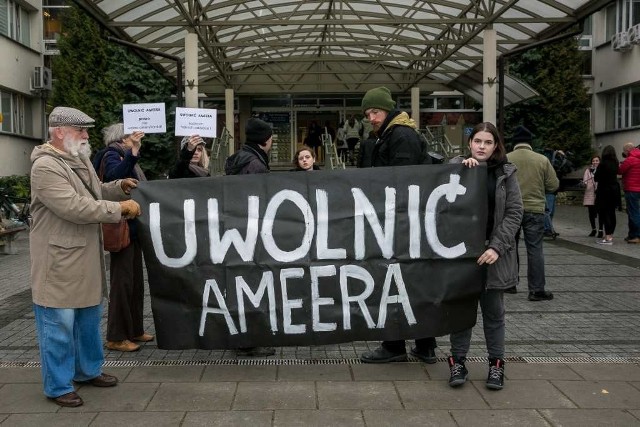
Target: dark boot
[[495, 379], [458, 371]]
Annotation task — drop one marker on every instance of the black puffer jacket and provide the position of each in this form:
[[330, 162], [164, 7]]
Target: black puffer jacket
[[250, 159], [399, 143]]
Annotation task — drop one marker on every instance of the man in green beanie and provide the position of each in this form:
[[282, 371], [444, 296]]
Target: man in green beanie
[[398, 144]]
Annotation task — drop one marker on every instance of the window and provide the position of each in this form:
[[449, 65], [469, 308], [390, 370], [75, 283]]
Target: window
[[623, 108], [14, 22], [16, 113]]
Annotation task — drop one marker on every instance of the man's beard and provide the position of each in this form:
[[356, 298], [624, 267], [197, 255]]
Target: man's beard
[[76, 148]]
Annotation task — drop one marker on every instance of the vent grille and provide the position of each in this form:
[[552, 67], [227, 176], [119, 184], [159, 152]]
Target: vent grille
[[353, 361]]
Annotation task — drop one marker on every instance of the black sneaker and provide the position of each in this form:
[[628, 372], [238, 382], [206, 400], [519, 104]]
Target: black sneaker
[[495, 379], [540, 296], [600, 234], [382, 355], [459, 372], [511, 290], [593, 233], [427, 355], [256, 351]]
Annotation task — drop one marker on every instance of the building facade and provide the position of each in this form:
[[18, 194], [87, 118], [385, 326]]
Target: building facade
[[21, 97]]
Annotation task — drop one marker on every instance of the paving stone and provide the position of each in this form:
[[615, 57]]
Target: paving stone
[[123, 397], [608, 371], [524, 394], [357, 395], [600, 394], [441, 371], [540, 371], [314, 372], [228, 419], [139, 419], [20, 375], [275, 395], [193, 397], [408, 418], [24, 398], [438, 395], [389, 371], [50, 420], [590, 417], [494, 418], [318, 418], [165, 374], [239, 373]]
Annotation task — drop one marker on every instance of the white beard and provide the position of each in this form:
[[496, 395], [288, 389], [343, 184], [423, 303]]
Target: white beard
[[77, 147]]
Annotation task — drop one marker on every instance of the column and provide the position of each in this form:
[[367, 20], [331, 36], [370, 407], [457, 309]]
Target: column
[[415, 105], [489, 79], [191, 70], [228, 122]]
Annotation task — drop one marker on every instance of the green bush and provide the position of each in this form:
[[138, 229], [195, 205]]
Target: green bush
[[16, 185]]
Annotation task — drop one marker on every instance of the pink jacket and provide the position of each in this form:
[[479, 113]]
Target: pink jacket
[[630, 171], [590, 188]]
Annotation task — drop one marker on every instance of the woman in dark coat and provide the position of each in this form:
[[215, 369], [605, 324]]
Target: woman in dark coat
[[503, 221], [193, 161], [608, 192], [305, 160]]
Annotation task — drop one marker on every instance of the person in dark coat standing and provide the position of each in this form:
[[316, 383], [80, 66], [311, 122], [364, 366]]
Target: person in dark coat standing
[[398, 144], [365, 155], [608, 192], [253, 156], [193, 161]]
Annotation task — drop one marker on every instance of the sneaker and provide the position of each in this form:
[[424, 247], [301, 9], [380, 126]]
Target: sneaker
[[256, 351], [600, 234], [458, 371], [635, 240], [540, 296], [382, 355], [427, 355], [605, 242], [511, 290], [125, 346], [495, 379], [593, 233]]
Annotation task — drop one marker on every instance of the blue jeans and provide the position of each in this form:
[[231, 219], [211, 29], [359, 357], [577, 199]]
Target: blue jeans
[[70, 346], [549, 210], [633, 212], [533, 229]]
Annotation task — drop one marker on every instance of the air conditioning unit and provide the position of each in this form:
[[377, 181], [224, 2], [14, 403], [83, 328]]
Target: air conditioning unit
[[634, 34], [41, 79], [620, 42]]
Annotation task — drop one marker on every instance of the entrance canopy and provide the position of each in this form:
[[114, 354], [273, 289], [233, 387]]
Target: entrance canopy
[[315, 47]]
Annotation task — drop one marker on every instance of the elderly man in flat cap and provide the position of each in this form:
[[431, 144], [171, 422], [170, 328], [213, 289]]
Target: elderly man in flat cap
[[68, 277]]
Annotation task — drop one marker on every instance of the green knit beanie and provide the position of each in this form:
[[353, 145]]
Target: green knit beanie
[[379, 98]]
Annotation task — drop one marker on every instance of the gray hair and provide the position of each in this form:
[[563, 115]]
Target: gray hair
[[114, 133]]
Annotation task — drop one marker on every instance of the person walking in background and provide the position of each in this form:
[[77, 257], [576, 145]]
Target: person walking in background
[[503, 221], [607, 193], [589, 199], [193, 161], [68, 203], [125, 317], [352, 131], [398, 144], [630, 171], [305, 160], [341, 143], [536, 178]]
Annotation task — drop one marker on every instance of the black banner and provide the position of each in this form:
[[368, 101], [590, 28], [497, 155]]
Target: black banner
[[306, 258]]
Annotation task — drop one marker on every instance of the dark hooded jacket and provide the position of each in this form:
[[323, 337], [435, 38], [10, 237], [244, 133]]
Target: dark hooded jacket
[[399, 143], [250, 159]]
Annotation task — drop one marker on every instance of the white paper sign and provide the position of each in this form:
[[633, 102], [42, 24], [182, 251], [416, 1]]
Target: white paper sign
[[196, 121], [148, 118]]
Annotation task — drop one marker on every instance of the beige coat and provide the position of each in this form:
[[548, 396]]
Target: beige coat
[[67, 260]]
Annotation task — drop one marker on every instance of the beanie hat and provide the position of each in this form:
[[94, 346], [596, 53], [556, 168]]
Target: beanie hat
[[522, 134], [379, 98], [257, 131], [186, 139]]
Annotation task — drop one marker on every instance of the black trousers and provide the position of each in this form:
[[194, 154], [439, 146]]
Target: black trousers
[[126, 294], [399, 346]]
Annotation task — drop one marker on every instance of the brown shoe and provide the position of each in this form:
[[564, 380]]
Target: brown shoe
[[144, 338], [102, 380], [635, 240], [69, 400], [125, 345]]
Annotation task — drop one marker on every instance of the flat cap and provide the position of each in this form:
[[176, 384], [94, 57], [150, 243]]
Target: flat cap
[[67, 116]]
